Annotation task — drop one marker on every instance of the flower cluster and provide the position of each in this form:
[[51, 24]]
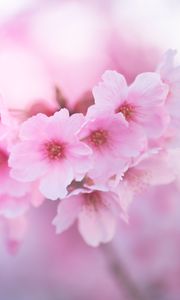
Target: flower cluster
[[94, 163]]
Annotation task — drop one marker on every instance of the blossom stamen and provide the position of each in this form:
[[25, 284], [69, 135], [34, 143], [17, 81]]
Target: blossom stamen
[[54, 150], [93, 200], [98, 137], [127, 110]]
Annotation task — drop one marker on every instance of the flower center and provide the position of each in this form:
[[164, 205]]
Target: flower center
[[98, 137], [127, 110], [54, 150], [93, 200]]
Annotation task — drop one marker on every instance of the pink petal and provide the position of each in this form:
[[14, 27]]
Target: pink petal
[[34, 127], [147, 90], [125, 193], [54, 184], [132, 140], [75, 122], [96, 226], [158, 169], [27, 162], [79, 156], [12, 207], [79, 148], [80, 167], [64, 127], [105, 166], [68, 210], [15, 230], [167, 63], [36, 198], [112, 91], [155, 123], [12, 187], [29, 174], [112, 201], [62, 114]]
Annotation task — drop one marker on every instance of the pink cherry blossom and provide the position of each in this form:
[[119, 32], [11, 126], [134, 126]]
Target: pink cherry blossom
[[50, 151], [112, 141], [12, 207], [170, 74], [9, 186], [174, 155], [97, 214], [17, 202], [153, 170], [9, 125], [15, 197], [13, 230], [141, 103]]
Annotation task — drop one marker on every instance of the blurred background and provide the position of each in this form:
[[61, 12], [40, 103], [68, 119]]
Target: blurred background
[[52, 53]]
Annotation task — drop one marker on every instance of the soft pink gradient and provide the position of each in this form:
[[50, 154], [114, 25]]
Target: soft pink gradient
[[68, 45]]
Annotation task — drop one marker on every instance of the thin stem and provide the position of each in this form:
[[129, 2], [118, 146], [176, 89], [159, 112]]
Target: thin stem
[[121, 275], [60, 99]]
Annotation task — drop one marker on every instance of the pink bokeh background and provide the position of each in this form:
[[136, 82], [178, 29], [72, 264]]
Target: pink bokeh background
[[69, 44]]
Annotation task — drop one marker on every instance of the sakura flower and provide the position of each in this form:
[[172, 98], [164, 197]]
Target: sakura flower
[[112, 141], [141, 103], [9, 125], [13, 230], [14, 204], [157, 169], [174, 155], [97, 214], [15, 197], [170, 74], [12, 207], [9, 186], [49, 151]]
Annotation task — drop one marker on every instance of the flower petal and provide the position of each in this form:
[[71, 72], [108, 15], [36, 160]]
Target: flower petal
[[68, 210], [112, 91], [147, 90], [96, 226], [53, 185], [34, 126]]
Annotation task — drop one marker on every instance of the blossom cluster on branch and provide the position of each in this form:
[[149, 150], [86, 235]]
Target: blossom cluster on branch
[[94, 164]]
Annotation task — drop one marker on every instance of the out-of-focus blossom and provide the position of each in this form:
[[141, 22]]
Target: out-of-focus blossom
[[170, 74], [13, 230], [97, 214], [151, 241], [156, 169]]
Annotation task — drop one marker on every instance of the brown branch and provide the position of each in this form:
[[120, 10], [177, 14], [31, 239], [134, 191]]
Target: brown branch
[[60, 99], [121, 275]]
